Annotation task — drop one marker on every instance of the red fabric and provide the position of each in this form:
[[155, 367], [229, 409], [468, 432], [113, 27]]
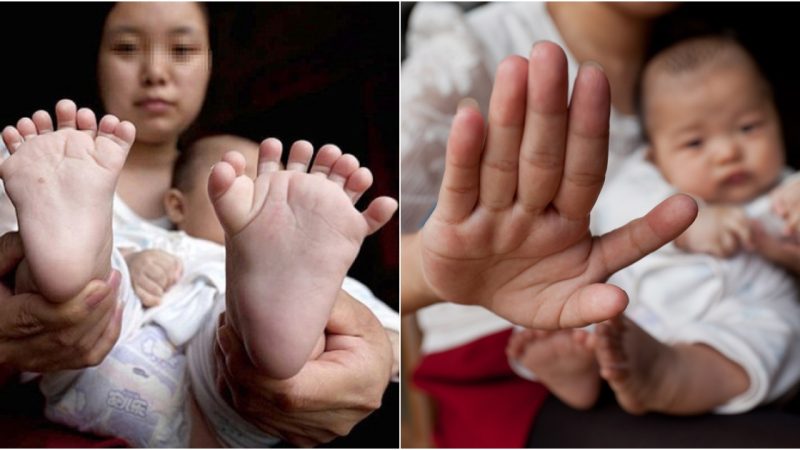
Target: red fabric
[[480, 401], [22, 423]]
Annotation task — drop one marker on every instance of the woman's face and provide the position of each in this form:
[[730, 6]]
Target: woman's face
[[154, 65]]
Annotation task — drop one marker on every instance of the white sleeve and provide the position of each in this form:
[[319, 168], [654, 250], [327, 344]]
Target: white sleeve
[[756, 325], [446, 64]]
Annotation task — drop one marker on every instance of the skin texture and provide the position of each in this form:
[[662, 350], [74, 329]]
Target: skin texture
[[65, 223], [303, 218], [329, 396], [510, 229], [37, 335]]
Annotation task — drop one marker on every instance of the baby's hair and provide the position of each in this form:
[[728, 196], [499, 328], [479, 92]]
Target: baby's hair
[[692, 54], [193, 153]]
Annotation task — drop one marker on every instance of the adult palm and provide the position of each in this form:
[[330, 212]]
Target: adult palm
[[511, 228]]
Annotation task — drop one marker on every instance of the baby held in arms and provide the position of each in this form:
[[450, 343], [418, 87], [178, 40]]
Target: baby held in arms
[[711, 325]]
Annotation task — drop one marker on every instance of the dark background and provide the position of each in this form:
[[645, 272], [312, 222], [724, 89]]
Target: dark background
[[321, 72], [328, 73], [769, 31]]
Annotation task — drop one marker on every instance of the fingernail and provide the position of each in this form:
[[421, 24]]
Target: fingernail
[[96, 297], [112, 283], [536, 47], [468, 102], [594, 64]]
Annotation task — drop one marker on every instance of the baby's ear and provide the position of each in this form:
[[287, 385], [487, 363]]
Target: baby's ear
[[175, 205]]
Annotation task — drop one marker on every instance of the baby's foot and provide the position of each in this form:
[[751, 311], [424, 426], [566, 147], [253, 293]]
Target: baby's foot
[[563, 361], [290, 238], [62, 184], [636, 366]]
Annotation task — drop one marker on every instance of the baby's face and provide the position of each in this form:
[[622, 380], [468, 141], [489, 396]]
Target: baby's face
[[714, 132], [154, 66], [200, 220]]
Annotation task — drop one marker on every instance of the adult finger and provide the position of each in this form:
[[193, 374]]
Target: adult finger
[[640, 237], [500, 162], [544, 140], [108, 339], [47, 353], [587, 144], [26, 315], [86, 345], [588, 304], [458, 193]]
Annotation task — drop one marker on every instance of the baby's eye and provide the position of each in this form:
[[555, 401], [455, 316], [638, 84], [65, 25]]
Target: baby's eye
[[750, 127], [124, 48], [693, 143]]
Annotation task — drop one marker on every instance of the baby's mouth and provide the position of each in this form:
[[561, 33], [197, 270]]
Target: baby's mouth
[[737, 178]]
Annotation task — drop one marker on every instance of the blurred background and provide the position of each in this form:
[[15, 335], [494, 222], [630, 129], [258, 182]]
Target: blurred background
[[767, 29]]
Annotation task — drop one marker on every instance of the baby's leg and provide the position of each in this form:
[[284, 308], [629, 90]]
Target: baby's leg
[[62, 185], [563, 361], [647, 375], [291, 236]]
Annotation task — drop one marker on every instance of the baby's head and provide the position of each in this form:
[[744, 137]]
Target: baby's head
[[711, 120], [187, 202]]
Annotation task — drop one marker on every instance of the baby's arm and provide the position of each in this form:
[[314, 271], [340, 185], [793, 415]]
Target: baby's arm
[[717, 230], [152, 273], [786, 204]]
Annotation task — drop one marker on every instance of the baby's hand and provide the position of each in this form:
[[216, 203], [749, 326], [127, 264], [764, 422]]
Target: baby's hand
[[152, 273], [786, 204], [718, 230]]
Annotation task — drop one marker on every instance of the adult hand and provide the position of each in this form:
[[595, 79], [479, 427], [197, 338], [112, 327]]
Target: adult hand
[[39, 336], [510, 230], [329, 396]]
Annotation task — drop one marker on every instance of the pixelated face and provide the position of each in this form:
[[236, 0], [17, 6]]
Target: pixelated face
[[154, 66], [200, 220], [714, 131], [643, 10]]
